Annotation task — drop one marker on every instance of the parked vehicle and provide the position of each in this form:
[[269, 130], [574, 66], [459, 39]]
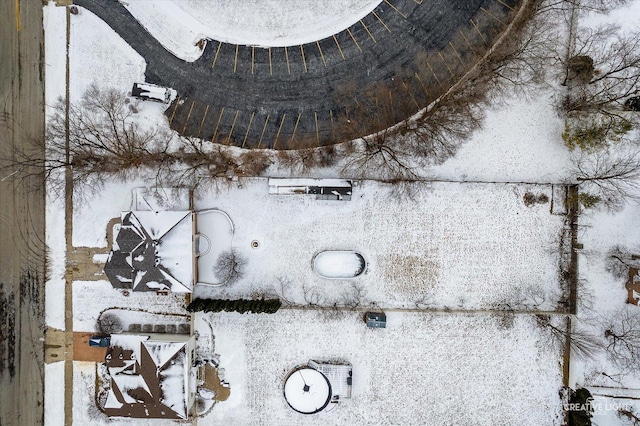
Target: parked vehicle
[[151, 92], [100, 341]]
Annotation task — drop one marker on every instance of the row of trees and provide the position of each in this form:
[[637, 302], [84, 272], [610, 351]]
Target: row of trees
[[105, 141], [102, 138], [600, 106], [266, 306]]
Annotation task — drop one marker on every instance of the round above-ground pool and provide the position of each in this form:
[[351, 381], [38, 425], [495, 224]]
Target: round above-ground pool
[[307, 391], [335, 264]]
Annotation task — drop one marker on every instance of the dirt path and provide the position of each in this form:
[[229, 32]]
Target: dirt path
[[22, 225]]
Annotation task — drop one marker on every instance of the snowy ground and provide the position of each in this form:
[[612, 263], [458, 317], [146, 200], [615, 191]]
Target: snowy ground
[[54, 32], [179, 25], [456, 245], [423, 369], [602, 294], [92, 297], [99, 56], [519, 142], [55, 239]]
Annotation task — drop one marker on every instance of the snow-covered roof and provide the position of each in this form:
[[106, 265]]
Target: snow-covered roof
[[129, 342], [338, 375], [323, 189], [153, 250], [307, 390], [282, 182], [157, 199], [149, 377]]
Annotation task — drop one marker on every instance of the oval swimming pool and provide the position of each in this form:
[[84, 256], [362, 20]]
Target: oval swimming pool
[[335, 264]]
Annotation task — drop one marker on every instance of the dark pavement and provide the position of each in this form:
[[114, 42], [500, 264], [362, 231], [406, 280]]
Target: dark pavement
[[288, 97], [22, 248]]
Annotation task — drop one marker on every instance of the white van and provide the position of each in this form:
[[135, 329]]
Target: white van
[[151, 92]]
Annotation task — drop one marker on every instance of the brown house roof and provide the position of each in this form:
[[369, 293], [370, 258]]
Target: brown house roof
[[149, 379]]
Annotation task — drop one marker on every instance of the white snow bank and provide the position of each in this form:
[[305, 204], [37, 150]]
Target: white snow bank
[[179, 25], [99, 55], [55, 51], [54, 394], [55, 42]]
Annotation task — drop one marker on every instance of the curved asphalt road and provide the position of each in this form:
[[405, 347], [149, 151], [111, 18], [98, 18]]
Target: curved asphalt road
[[287, 97]]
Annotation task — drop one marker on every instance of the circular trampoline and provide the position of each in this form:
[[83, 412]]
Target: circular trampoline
[[307, 391]]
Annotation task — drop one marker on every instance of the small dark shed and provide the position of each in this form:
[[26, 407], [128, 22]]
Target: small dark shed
[[375, 319]]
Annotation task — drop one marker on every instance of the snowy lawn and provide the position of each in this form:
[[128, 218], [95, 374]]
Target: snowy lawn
[[457, 245], [92, 297], [179, 25], [423, 369], [519, 141], [98, 55]]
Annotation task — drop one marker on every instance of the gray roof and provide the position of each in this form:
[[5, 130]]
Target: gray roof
[[134, 262]]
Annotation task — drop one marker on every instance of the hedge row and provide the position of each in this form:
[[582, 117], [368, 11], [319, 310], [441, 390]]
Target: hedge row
[[268, 306]]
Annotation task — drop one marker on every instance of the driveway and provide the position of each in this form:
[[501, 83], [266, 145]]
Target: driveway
[[301, 95]]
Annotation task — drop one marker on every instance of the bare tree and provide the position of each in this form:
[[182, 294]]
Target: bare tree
[[586, 5], [523, 60], [583, 344], [622, 332], [611, 174], [110, 323], [353, 297], [440, 130], [312, 296], [598, 6], [525, 299], [282, 288], [628, 416], [105, 140], [616, 70], [619, 260], [103, 136], [230, 267], [383, 156]]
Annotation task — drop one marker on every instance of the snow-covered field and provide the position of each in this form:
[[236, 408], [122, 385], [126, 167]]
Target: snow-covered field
[[464, 245], [179, 25], [423, 369], [457, 245], [92, 297], [98, 55]]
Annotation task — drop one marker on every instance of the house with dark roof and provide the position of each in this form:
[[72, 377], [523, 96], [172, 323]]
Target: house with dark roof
[[153, 251], [150, 375]]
